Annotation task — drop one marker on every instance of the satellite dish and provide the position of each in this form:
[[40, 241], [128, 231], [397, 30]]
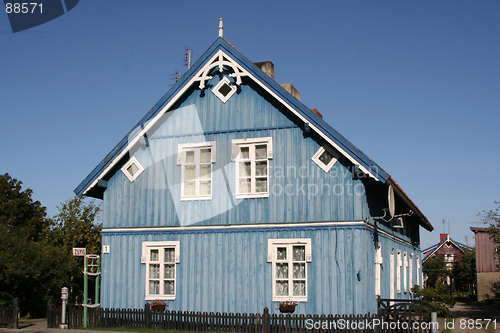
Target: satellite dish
[[392, 203]]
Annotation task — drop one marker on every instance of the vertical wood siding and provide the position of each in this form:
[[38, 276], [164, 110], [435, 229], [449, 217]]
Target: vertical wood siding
[[311, 194], [228, 271]]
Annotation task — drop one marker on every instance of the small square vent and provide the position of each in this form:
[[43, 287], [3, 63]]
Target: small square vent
[[224, 89]]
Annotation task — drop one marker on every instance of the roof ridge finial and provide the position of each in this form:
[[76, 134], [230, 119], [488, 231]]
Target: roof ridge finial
[[221, 28]]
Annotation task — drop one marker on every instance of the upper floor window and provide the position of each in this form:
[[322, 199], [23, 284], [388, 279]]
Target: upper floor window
[[196, 161], [161, 259], [289, 258], [252, 166]]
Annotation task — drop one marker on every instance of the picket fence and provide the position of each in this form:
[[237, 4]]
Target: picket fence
[[410, 312], [209, 322]]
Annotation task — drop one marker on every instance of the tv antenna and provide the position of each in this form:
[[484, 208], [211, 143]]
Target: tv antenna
[[176, 76], [187, 59]]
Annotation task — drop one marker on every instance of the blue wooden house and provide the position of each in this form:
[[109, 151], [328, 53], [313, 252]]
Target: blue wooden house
[[231, 195]]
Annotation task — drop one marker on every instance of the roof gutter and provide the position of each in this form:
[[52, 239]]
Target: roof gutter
[[424, 222]]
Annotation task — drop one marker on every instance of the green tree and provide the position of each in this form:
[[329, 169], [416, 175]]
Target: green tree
[[29, 266], [76, 225], [435, 269], [465, 271]]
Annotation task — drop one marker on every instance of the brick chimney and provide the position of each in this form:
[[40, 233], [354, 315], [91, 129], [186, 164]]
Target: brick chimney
[[442, 237], [316, 112], [267, 67]]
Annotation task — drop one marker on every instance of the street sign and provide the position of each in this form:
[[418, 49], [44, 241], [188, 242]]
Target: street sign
[[79, 251]]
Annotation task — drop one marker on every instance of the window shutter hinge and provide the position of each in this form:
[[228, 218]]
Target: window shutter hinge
[[143, 260], [269, 258]]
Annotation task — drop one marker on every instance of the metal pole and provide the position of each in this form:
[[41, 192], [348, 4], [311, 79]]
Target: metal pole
[[97, 280], [64, 297], [85, 292], [434, 322]]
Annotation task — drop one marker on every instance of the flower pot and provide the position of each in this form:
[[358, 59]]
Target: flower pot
[[159, 307], [290, 308]]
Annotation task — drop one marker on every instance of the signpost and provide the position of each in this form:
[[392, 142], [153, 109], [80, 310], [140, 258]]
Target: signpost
[[91, 266]]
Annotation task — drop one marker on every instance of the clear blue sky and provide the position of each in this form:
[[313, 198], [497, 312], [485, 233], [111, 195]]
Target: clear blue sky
[[414, 84]]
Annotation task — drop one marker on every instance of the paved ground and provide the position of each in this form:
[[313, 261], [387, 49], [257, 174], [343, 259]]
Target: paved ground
[[40, 326], [468, 318]]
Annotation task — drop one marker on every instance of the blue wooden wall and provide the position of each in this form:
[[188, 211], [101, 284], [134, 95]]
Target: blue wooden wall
[[227, 270], [153, 199]]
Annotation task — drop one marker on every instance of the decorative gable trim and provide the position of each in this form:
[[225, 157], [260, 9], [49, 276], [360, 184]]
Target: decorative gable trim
[[220, 60]]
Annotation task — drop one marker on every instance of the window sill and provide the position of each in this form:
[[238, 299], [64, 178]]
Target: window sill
[[252, 196], [197, 198], [161, 298]]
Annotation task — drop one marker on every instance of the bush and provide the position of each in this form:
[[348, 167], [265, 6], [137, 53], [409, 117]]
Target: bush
[[438, 296]]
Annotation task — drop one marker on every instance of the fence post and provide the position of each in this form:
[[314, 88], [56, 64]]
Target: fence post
[[15, 313], [266, 321], [434, 322], [147, 315]]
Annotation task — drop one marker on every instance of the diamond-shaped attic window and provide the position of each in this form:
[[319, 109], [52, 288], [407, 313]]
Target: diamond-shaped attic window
[[326, 157], [224, 90]]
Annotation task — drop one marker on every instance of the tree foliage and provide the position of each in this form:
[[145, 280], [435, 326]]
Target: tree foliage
[[465, 270], [435, 269], [35, 251], [76, 225]]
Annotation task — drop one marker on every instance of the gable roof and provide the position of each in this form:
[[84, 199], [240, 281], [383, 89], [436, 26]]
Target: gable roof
[[430, 251], [222, 53]]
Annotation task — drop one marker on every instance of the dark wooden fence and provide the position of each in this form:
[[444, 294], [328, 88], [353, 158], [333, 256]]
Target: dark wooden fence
[[9, 315], [250, 323], [211, 322]]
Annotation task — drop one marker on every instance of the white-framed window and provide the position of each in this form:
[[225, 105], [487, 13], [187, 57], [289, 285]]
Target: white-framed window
[[392, 284], [252, 166], [378, 266], [196, 161], [326, 157], [289, 258], [224, 89], [418, 271], [132, 169], [405, 272], [410, 268], [161, 259], [398, 271]]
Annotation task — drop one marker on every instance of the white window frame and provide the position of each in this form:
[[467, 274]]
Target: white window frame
[[405, 272], [410, 268], [378, 268], [236, 157], [392, 283], [140, 168], [321, 150], [398, 271], [418, 271], [181, 160], [225, 80], [273, 245], [145, 259]]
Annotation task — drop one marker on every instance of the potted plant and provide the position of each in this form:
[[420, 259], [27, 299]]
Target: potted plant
[[158, 305], [288, 306]]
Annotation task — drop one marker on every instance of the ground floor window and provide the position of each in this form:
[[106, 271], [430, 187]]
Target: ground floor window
[[161, 259], [289, 258]]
